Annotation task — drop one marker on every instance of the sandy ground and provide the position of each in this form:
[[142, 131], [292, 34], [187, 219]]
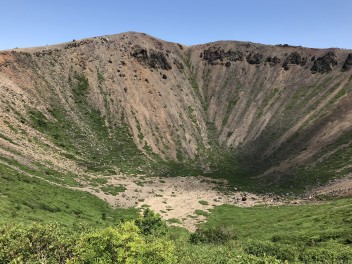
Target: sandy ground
[[179, 199], [337, 188]]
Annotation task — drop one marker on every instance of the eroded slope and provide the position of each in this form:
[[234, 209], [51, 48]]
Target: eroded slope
[[262, 116]]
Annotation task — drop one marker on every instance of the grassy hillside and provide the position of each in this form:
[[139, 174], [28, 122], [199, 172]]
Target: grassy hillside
[[26, 199]]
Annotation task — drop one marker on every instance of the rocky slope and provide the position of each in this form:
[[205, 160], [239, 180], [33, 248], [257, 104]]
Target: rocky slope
[[264, 117]]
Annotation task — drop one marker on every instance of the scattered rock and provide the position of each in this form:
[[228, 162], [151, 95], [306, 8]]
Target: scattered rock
[[348, 63], [178, 64], [244, 198], [164, 76], [228, 64], [325, 63]]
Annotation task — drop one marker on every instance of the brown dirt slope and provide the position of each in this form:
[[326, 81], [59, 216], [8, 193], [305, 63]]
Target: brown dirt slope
[[132, 103]]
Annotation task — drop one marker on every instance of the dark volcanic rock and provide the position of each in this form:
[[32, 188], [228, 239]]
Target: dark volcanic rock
[[294, 59], [213, 53], [233, 55], [273, 60], [140, 54], [158, 60], [155, 60], [325, 63], [348, 63], [256, 58]]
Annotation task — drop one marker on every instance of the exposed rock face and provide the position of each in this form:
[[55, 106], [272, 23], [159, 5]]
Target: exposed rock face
[[131, 102], [212, 54], [348, 63], [325, 63], [155, 60], [294, 59]]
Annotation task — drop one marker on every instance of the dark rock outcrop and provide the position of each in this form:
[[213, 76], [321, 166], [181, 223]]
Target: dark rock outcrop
[[325, 63], [158, 60], [212, 54], [294, 59], [273, 60], [254, 58], [348, 63], [155, 60]]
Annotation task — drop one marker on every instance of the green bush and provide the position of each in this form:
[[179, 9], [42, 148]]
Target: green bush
[[219, 254], [216, 235], [49, 244], [151, 223], [122, 244], [54, 244], [322, 255], [279, 251]]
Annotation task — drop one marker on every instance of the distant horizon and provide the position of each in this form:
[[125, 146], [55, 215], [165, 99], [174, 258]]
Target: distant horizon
[[318, 24]]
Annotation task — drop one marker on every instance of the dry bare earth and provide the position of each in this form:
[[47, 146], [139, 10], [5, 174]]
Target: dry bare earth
[[180, 197]]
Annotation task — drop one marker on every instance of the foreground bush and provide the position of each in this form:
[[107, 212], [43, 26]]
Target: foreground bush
[[47, 244], [52, 244]]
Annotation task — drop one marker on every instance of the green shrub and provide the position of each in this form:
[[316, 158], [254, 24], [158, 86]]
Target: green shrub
[[49, 244], [122, 244], [54, 244], [216, 235], [151, 223], [221, 254], [322, 255], [279, 251]]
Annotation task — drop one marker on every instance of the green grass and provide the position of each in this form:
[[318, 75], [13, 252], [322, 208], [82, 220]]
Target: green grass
[[174, 221], [7, 139], [113, 189], [202, 202], [44, 172], [201, 212], [27, 199], [298, 233]]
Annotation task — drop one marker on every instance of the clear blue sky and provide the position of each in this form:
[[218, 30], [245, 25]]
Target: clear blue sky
[[311, 23]]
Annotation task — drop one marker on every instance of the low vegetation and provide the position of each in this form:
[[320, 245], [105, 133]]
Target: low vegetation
[[319, 233]]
